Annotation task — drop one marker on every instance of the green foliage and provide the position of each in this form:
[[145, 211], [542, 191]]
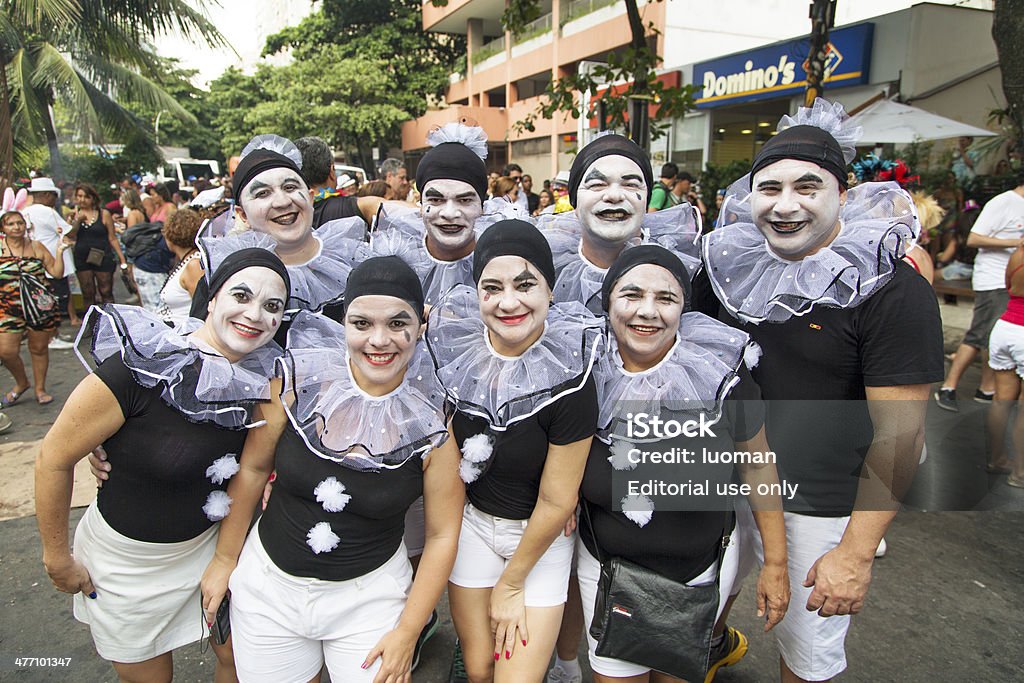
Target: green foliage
[[717, 177], [389, 32], [232, 96]]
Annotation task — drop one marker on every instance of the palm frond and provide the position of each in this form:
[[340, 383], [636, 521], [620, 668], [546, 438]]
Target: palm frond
[[35, 14], [25, 126], [147, 19], [54, 72], [126, 85]]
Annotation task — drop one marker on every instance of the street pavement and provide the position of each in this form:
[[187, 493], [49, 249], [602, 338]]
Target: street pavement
[[945, 604]]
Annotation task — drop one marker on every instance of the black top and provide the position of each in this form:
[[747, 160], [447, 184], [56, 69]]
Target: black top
[[510, 482], [158, 484], [678, 545], [813, 375], [333, 208], [370, 526], [532, 201]]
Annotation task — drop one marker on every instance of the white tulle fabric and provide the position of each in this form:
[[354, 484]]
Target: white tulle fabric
[[339, 421], [830, 117], [316, 283], [506, 390], [410, 221], [197, 382], [274, 143], [879, 223], [677, 229], [473, 137], [501, 206], [693, 378], [437, 277]]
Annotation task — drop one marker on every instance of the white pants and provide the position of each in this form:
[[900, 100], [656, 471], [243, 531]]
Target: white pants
[[812, 646], [588, 569], [486, 544], [285, 628]]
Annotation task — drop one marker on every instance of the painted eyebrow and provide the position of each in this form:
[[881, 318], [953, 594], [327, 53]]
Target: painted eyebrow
[[524, 276], [595, 175], [637, 288], [433, 193], [490, 280], [401, 315], [633, 176], [242, 287], [768, 183], [810, 178]]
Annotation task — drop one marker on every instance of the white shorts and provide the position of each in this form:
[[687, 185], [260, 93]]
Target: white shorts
[[812, 646], [1006, 347], [588, 569], [486, 543], [148, 598], [285, 628], [415, 528]]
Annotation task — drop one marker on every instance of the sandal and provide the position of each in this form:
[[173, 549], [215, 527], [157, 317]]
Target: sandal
[[1015, 482], [992, 469], [11, 397], [44, 399]]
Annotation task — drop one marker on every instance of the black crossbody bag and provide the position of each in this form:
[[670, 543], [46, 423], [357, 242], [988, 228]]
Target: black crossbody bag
[[643, 617]]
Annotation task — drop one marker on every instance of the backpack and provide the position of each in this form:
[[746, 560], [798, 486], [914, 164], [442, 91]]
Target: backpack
[[141, 238]]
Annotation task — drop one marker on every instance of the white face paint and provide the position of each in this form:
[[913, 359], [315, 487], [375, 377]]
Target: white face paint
[[278, 203], [381, 333], [450, 209], [796, 205], [646, 303], [245, 313], [514, 300], [612, 199]]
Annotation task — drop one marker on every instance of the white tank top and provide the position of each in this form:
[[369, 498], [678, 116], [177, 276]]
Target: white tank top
[[175, 301]]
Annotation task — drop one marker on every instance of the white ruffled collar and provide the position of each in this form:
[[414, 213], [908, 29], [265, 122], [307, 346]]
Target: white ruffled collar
[[196, 381], [505, 390], [338, 420], [879, 223]]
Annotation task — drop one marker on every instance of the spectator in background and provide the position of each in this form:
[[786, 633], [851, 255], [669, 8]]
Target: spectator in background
[[179, 236], [684, 191], [1007, 361], [661, 196], [395, 174], [526, 189], [67, 194], [163, 206], [997, 232], [376, 188], [97, 249], [318, 172], [956, 260], [515, 172], [544, 200], [964, 160], [48, 227]]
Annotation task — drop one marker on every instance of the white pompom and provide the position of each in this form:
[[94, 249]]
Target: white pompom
[[274, 143], [468, 471], [331, 494], [223, 468], [478, 448], [752, 355], [620, 455], [218, 505], [473, 137], [639, 509], [322, 539]]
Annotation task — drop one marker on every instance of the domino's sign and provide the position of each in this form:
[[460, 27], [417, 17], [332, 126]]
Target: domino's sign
[[778, 70]]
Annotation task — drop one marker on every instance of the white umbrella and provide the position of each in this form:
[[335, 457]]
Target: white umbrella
[[886, 121]]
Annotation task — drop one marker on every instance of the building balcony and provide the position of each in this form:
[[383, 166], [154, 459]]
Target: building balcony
[[452, 17], [494, 121]]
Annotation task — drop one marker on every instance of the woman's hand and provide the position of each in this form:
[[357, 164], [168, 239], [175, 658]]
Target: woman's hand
[[214, 585], [99, 466], [395, 650], [508, 614], [70, 576], [772, 594]]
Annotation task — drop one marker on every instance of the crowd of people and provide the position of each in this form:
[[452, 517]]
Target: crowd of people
[[332, 405]]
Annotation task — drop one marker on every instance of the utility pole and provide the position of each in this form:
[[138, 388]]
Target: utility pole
[[823, 17]]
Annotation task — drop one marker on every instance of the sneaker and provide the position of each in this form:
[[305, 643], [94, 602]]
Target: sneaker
[[881, 549], [732, 650], [59, 344], [457, 674], [946, 398], [981, 397], [429, 630], [557, 674]]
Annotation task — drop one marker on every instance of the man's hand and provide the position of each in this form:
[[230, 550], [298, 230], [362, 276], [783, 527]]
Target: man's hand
[[840, 579]]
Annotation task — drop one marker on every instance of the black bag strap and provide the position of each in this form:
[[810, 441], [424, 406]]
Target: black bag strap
[[723, 543]]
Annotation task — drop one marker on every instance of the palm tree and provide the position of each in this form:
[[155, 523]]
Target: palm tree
[[86, 54]]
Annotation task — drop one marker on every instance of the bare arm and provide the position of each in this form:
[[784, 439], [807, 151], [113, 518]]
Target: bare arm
[[53, 266], [245, 490], [443, 497], [90, 416], [773, 583], [841, 576], [190, 276], [368, 207], [556, 501], [976, 241], [115, 243]]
